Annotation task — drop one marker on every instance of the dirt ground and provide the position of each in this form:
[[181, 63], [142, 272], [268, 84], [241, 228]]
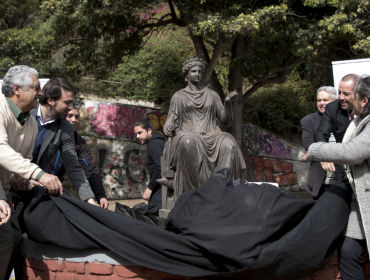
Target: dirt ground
[[129, 202]]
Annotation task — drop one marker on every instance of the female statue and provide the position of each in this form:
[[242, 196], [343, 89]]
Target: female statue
[[196, 144]]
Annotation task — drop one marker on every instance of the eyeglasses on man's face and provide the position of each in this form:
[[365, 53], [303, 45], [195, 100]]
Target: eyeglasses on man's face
[[37, 88]]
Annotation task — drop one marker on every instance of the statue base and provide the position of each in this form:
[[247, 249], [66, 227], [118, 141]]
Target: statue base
[[163, 213]]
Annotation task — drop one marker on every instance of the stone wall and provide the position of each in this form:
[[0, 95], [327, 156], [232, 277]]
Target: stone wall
[[108, 126], [275, 159]]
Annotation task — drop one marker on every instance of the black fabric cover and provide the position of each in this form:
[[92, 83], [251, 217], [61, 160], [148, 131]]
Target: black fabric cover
[[219, 230]]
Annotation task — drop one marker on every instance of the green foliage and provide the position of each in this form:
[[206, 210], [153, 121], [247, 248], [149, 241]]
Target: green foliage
[[290, 101], [156, 66], [16, 13]]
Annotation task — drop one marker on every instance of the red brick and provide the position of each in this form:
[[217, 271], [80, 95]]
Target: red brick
[[31, 273], [55, 265], [103, 277], [99, 268], [39, 265], [128, 271], [28, 261], [75, 267], [158, 275], [65, 276], [46, 275]]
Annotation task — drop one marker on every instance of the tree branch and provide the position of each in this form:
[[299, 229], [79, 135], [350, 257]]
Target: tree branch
[[275, 80], [216, 53], [173, 13]]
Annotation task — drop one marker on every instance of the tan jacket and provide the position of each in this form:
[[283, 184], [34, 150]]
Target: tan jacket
[[16, 146]]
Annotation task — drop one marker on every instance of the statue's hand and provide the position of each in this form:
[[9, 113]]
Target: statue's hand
[[232, 96], [167, 129]]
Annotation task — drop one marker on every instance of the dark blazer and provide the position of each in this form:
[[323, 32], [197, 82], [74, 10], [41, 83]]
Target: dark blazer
[[316, 174], [60, 138], [335, 120], [87, 163]]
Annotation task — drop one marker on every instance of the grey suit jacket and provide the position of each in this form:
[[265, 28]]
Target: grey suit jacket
[[61, 137], [316, 174]]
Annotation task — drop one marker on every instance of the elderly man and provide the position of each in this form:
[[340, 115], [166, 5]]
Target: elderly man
[[318, 179], [21, 89], [85, 159]]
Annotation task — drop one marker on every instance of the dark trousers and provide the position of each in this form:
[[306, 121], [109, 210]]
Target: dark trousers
[[350, 258], [324, 188], [10, 243]]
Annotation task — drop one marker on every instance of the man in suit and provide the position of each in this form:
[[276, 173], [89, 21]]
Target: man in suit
[[310, 123], [336, 120], [85, 160]]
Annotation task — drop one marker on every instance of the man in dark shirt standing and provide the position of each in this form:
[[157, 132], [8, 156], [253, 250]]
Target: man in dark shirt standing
[[144, 131]]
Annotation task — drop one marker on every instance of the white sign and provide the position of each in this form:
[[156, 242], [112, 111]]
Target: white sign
[[345, 67]]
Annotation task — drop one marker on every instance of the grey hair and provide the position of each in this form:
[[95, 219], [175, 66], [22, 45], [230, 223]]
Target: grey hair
[[75, 106], [332, 90], [19, 75]]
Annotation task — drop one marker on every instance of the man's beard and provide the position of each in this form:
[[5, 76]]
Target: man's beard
[[56, 114]]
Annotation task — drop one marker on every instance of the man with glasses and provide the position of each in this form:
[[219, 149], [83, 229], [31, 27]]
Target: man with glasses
[[21, 89]]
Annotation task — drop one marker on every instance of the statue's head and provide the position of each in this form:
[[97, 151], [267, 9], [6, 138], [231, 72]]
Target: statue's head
[[192, 62]]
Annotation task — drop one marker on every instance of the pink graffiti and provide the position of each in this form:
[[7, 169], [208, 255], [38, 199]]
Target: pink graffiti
[[272, 145], [90, 109], [115, 120]]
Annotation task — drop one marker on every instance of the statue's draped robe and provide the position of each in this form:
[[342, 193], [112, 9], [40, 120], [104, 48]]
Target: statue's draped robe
[[199, 145]]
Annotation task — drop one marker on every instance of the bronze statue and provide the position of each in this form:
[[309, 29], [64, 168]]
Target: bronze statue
[[196, 144]]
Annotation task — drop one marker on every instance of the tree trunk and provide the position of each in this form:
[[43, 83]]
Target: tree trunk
[[236, 83]]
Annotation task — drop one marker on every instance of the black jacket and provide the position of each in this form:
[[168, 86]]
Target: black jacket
[[153, 160], [316, 173], [60, 139], [87, 163], [335, 120]]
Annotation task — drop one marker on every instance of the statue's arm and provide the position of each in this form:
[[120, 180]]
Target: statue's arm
[[225, 112], [169, 125]]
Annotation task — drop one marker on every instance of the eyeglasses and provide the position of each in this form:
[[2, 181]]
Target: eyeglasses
[[37, 88]]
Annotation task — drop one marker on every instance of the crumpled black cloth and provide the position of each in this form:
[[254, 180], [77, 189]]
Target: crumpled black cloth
[[219, 230], [135, 213]]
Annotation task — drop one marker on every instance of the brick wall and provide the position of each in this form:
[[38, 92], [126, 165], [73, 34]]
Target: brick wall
[[64, 270]]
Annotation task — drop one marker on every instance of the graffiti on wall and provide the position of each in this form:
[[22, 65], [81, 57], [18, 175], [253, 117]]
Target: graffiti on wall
[[111, 120], [123, 169], [273, 146], [250, 139], [271, 170], [158, 119], [260, 142]]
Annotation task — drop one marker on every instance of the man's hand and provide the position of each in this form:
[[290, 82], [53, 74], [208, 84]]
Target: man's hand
[[92, 201], [52, 183], [33, 183], [305, 157], [104, 203], [17, 185], [147, 194], [4, 212], [328, 166]]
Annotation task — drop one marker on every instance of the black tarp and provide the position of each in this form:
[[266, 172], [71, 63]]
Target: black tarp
[[222, 229]]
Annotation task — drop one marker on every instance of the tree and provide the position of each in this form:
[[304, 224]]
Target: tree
[[264, 40]]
